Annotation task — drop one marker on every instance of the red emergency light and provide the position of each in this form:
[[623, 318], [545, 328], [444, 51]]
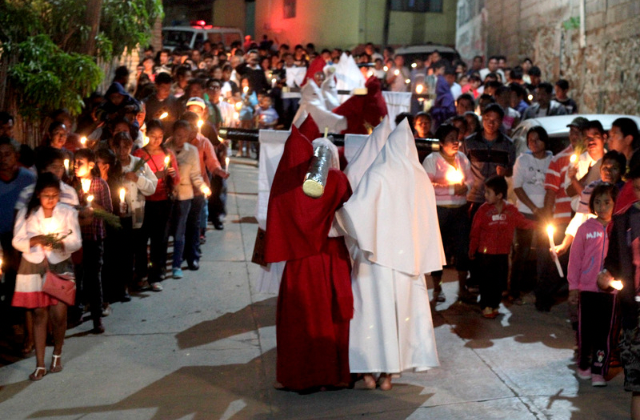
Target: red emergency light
[[200, 24]]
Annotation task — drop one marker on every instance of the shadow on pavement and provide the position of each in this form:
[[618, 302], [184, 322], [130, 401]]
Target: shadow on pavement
[[214, 392], [250, 318]]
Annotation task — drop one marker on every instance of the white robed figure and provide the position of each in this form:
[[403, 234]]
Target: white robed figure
[[392, 231]]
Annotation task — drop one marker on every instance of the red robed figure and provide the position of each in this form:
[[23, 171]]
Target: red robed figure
[[364, 111], [315, 302]]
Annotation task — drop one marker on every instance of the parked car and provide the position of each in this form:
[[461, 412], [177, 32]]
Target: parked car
[[194, 35], [422, 52], [557, 129]]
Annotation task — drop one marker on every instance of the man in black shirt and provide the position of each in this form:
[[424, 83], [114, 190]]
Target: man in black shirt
[[561, 88]]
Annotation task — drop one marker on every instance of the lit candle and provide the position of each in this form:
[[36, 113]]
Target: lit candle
[[573, 158], [385, 68], [236, 116], [550, 231], [616, 284], [200, 122], [238, 106], [273, 82], [164, 115], [123, 205], [145, 141], [245, 89], [205, 190], [530, 97], [419, 88], [89, 200], [86, 184], [167, 162], [226, 163], [414, 65], [453, 178], [83, 141], [407, 81], [396, 72], [66, 166]]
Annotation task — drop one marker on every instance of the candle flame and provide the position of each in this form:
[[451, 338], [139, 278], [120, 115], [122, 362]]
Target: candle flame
[[550, 229], [122, 192], [86, 184], [530, 97], [200, 122], [164, 115], [83, 140], [573, 158], [414, 65], [273, 80], [245, 89], [236, 115], [396, 72], [238, 106], [385, 68], [145, 141], [419, 89], [226, 162], [167, 160], [205, 190], [454, 177], [89, 199], [407, 81], [66, 164], [616, 284]]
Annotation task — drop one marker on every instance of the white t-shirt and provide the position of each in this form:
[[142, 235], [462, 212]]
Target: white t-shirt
[[529, 174]]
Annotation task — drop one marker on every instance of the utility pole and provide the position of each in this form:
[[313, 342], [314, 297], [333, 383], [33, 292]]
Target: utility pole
[[387, 15], [92, 19]]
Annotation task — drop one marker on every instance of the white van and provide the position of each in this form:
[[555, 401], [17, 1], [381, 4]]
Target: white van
[[198, 32]]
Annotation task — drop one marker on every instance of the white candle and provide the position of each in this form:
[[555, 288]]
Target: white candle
[[89, 200], [226, 163], [66, 166], [83, 141], [86, 185], [419, 89], [123, 205], [167, 162], [616, 284], [200, 123], [550, 231]]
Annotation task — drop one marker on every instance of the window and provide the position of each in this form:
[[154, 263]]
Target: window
[[434, 6], [289, 9]]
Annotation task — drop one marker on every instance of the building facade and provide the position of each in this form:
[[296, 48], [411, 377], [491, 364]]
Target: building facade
[[591, 43], [341, 23]]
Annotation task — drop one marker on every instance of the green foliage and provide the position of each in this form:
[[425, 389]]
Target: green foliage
[[571, 23], [49, 79]]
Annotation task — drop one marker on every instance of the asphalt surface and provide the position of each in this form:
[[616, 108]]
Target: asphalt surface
[[204, 348]]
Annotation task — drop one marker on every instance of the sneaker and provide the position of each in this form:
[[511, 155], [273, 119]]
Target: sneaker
[[177, 273], [106, 310], [488, 313], [584, 374], [598, 380], [157, 287]]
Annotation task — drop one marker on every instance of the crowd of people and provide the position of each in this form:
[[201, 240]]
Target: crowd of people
[[100, 198]]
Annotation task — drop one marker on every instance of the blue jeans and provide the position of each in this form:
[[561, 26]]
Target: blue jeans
[[179, 218], [192, 234]]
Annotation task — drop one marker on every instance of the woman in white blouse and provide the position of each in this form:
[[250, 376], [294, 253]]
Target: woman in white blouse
[[528, 184], [43, 217]]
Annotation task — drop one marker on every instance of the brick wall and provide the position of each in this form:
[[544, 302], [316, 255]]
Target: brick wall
[[603, 73]]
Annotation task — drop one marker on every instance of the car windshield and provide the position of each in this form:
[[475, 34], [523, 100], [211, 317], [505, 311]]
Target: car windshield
[[176, 38]]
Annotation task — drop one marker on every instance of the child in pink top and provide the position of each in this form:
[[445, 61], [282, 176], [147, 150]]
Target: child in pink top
[[595, 307]]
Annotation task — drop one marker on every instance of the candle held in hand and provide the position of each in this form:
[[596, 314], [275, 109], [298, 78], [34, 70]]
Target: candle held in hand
[[616, 284], [573, 158], [122, 192], [66, 166], [167, 162], [86, 185], [419, 89], [83, 141], [89, 200], [205, 190], [454, 177], [396, 72], [226, 163]]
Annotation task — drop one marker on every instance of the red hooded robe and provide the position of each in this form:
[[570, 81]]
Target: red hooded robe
[[315, 302]]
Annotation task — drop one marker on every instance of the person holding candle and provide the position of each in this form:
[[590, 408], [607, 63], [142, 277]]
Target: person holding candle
[[138, 181], [157, 210], [490, 242], [45, 218], [596, 309], [96, 194], [450, 173], [190, 181], [528, 183]]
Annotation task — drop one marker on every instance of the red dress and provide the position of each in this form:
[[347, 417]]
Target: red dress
[[315, 303]]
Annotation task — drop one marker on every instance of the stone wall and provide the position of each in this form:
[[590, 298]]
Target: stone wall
[[603, 72]]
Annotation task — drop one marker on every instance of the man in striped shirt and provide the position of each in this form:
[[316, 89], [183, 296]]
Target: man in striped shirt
[[557, 204]]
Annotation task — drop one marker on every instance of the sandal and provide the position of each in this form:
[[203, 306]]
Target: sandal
[[35, 376], [56, 366]]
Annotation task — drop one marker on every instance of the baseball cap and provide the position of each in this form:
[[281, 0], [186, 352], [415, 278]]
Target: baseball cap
[[196, 101], [578, 122]]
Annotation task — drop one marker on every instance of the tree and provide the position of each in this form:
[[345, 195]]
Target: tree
[[49, 50]]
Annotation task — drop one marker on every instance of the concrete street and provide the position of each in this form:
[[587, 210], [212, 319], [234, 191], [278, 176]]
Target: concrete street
[[204, 348]]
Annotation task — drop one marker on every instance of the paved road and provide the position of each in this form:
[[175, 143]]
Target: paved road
[[205, 349]]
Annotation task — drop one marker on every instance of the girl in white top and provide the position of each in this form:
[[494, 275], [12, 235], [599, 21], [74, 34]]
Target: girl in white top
[[450, 173], [42, 217]]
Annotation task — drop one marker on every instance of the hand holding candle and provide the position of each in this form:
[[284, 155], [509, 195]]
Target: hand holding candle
[[616, 284], [454, 178], [205, 190], [89, 200], [86, 185], [550, 231]]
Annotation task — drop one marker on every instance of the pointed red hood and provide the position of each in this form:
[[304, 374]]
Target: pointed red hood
[[310, 129], [361, 111], [315, 66]]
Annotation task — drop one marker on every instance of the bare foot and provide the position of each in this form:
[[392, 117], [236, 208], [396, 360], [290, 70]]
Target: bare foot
[[385, 382], [369, 381], [278, 385]]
